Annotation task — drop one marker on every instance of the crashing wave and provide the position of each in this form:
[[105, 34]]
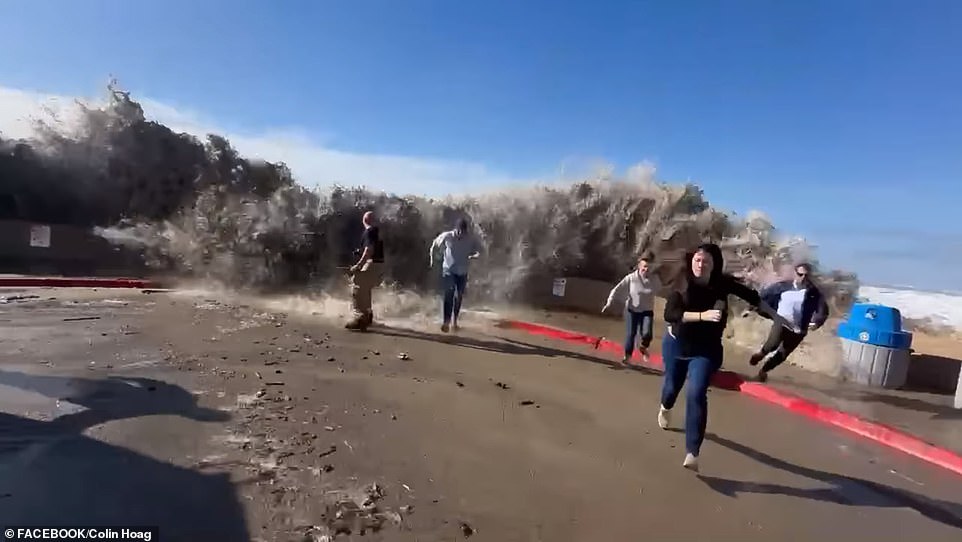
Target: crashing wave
[[198, 208]]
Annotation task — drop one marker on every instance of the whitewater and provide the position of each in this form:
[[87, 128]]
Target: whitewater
[[194, 206], [933, 309]]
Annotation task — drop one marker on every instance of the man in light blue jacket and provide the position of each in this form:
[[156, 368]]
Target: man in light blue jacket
[[459, 246]]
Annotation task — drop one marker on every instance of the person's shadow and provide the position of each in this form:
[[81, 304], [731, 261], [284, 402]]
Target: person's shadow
[[844, 490], [501, 345], [51, 474]]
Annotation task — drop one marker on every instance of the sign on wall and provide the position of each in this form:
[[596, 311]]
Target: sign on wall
[[40, 236], [558, 288]]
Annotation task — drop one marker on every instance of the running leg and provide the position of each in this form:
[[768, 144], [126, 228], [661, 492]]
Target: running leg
[[771, 343], [647, 322], [632, 321], [790, 341], [460, 283], [700, 370], [675, 372], [447, 281]]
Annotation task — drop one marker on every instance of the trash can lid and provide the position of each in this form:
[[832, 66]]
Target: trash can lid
[[875, 317], [877, 325]]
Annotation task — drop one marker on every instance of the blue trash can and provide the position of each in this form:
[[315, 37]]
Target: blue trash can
[[876, 352]]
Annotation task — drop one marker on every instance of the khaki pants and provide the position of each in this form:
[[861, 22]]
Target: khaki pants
[[367, 278]]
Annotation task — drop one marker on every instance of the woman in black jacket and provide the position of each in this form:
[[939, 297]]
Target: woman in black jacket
[[697, 311]]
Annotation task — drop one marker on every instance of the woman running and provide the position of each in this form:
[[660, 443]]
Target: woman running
[[696, 312], [637, 292]]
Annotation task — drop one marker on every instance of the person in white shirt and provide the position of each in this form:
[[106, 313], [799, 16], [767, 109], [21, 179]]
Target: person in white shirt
[[636, 292], [459, 246], [802, 306]]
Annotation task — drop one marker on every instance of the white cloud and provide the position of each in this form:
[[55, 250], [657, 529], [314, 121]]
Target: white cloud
[[311, 161]]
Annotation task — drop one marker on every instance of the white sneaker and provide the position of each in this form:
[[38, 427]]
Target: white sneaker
[[691, 462], [645, 358], [664, 417]]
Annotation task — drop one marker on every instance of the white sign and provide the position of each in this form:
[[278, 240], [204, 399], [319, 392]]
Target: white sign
[[558, 288], [40, 236]]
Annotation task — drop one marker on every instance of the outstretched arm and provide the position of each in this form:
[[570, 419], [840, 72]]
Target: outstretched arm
[[617, 292], [435, 245], [741, 291], [752, 297]]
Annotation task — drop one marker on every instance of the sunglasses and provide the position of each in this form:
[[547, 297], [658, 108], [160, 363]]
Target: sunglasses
[[801, 275]]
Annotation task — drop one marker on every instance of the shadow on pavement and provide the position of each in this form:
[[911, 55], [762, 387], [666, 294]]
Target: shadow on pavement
[[51, 474], [939, 412], [503, 345], [939, 404], [843, 490]]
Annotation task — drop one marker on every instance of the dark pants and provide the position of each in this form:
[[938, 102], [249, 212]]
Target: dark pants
[[783, 342], [454, 286], [638, 320], [698, 371]]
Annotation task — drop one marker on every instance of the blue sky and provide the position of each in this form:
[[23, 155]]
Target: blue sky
[[841, 119]]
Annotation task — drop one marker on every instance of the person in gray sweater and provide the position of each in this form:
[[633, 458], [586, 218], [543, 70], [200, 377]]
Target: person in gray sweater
[[636, 293]]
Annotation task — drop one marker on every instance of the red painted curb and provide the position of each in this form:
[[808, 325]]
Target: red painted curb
[[67, 282], [876, 432]]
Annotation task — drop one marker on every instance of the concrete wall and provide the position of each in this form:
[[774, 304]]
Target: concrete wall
[[936, 373], [71, 250], [583, 295]]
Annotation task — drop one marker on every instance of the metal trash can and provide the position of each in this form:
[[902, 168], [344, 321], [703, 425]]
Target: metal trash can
[[876, 352]]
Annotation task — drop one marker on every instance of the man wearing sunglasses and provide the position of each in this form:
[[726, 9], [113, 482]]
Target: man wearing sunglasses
[[801, 303]]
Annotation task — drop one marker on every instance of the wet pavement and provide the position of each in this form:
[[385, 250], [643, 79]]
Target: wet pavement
[[222, 421], [928, 415]]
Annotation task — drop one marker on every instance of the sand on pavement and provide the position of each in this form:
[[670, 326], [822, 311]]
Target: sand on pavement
[[221, 421]]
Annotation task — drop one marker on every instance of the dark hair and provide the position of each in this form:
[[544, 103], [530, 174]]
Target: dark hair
[[461, 224], [718, 260], [804, 265], [686, 277], [647, 257]]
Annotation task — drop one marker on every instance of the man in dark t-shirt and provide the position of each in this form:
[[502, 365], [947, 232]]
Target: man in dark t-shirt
[[366, 274]]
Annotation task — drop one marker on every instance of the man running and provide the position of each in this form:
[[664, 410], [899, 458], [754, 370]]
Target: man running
[[366, 274], [459, 246], [802, 305], [638, 290]]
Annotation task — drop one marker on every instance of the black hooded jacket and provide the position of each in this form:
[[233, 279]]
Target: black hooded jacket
[[704, 339]]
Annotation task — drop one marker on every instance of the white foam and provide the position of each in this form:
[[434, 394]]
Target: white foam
[[941, 307]]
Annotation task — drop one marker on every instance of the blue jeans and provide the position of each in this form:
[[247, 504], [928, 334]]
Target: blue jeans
[[638, 320], [698, 371], [454, 286]]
